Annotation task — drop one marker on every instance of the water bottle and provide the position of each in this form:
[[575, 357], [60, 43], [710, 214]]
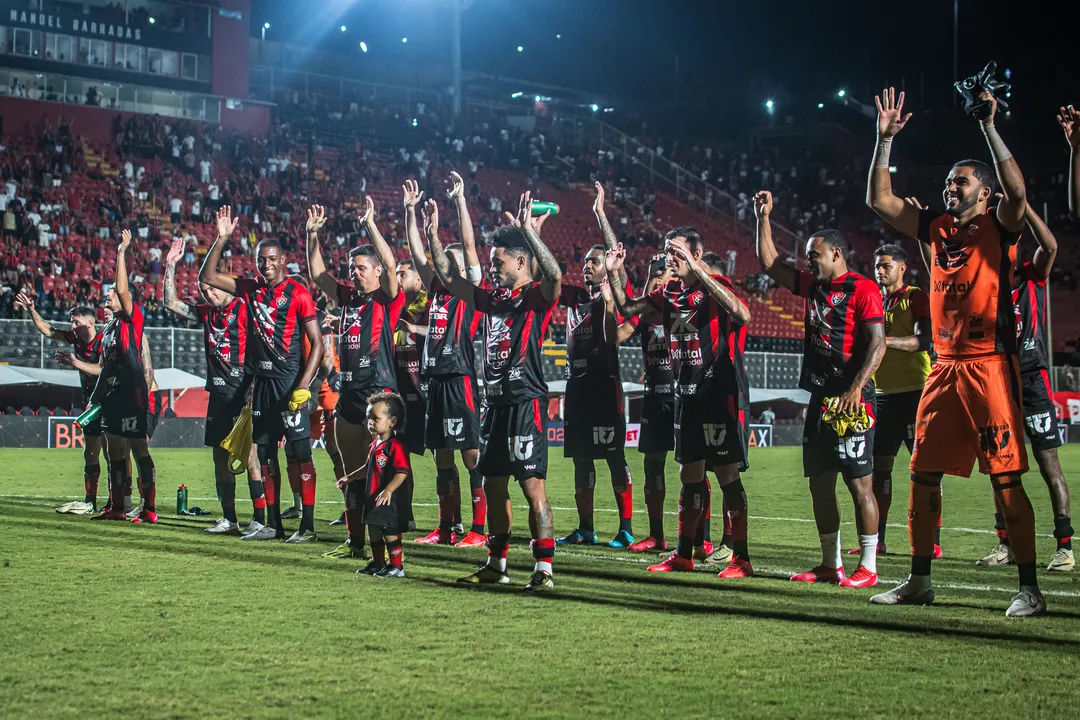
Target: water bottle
[[88, 415], [541, 207], [181, 500]]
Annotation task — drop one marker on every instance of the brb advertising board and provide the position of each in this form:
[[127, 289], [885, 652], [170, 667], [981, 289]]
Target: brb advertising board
[[760, 435], [64, 433]]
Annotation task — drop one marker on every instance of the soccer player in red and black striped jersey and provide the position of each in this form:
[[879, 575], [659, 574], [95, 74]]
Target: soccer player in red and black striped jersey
[[513, 440], [449, 367], [408, 348], [370, 309], [279, 310], [123, 390], [224, 319], [706, 324], [1036, 399], [845, 342], [86, 345]]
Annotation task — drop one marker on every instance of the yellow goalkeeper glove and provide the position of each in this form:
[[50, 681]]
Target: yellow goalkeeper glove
[[299, 399]]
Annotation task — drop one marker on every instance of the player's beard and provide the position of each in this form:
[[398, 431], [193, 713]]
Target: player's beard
[[962, 206]]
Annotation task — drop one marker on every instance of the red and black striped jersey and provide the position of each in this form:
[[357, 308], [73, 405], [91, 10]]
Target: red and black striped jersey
[[276, 317], [88, 352], [656, 352], [408, 348], [121, 349], [1029, 302], [838, 312], [587, 353], [704, 343], [366, 345], [452, 326], [225, 335], [386, 458], [515, 322]]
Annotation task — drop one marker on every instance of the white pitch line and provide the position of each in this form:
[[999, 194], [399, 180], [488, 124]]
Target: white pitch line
[[766, 518]]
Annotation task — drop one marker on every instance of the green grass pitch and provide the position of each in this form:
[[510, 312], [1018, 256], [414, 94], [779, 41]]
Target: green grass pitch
[[168, 622]]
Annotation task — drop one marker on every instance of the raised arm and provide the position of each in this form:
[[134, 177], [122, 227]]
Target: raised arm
[[69, 359], [123, 292], [611, 324], [24, 301], [172, 303], [453, 282], [388, 280], [147, 362], [1013, 205], [723, 295], [613, 261], [1069, 119], [473, 273], [879, 194], [784, 274], [413, 195], [1048, 247], [208, 273], [529, 227], [606, 231], [316, 218]]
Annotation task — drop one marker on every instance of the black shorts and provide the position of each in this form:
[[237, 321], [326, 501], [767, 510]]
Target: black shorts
[[124, 412], [1040, 415], [271, 419], [594, 426], [393, 518], [151, 425], [513, 441], [657, 425], [352, 404], [222, 410], [710, 426], [415, 414], [895, 422], [824, 451], [453, 415]]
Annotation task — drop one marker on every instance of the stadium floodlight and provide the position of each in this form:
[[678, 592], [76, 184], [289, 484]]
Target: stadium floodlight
[[841, 93], [516, 95], [594, 107], [266, 26], [1008, 94], [537, 98], [1008, 73], [343, 28], [414, 122], [363, 46], [521, 48], [892, 169], [820, 106], [152, 21], [405, 40], [769, 104], [558, 36]]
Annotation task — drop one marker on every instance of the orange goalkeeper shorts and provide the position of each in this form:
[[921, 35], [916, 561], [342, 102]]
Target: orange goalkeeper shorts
[[970, 410]]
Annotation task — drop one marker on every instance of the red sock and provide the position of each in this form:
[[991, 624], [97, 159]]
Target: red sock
[[543, 550], [306, 473], [691, 510], [90, 482], [444, 488], [624, 495], [269, 494], [394, 548]]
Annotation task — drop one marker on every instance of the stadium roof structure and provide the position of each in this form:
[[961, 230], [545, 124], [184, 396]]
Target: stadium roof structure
[[167, 378]]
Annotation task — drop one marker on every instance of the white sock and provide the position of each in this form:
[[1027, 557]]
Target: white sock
[[542, 565], [499, 563], [830, 550], [868, 554]]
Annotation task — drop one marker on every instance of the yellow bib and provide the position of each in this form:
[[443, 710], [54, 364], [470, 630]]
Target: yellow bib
[[901, 371]]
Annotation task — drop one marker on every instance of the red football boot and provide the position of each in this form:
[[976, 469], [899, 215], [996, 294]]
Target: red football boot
[[937, 552], [432, 538], [471, 540], [820, 574], [675, 563], [145, 517], [649, 543], [861, 578], [736, 569]]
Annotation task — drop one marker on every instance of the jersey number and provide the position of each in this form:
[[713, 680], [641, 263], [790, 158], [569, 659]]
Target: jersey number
[[128, 424]]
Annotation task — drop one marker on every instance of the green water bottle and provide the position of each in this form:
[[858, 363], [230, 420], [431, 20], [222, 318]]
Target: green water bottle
[[541, 207], [88, 415], [181, 500]]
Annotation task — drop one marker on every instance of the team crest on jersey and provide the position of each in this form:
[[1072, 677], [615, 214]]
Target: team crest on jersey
[[836, 298], [696, 297], [282, 300], [380, 460], [951, 258]]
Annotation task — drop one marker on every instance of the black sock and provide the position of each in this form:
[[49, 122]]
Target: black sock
[[1063, 532], [226, 492], [147, 482], [307, 517], [476, 483], [255, 490], [735, 497], [654, 491], [117, 473], [920, 564], [685, 547], [1027, 574]]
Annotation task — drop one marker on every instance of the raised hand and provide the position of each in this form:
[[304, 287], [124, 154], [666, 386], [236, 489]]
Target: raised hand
[[1069, 120], [605, 290], [988, 97], [914, 202], [680, 249], [598, 204], [891, 118], [430, 214], [412, 192], [176, 251], [457, 187], [316, 218], [24, 301], [125, 240], [763, 204], [65, 358], [226, 225], [368, 215], [614, 258]]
